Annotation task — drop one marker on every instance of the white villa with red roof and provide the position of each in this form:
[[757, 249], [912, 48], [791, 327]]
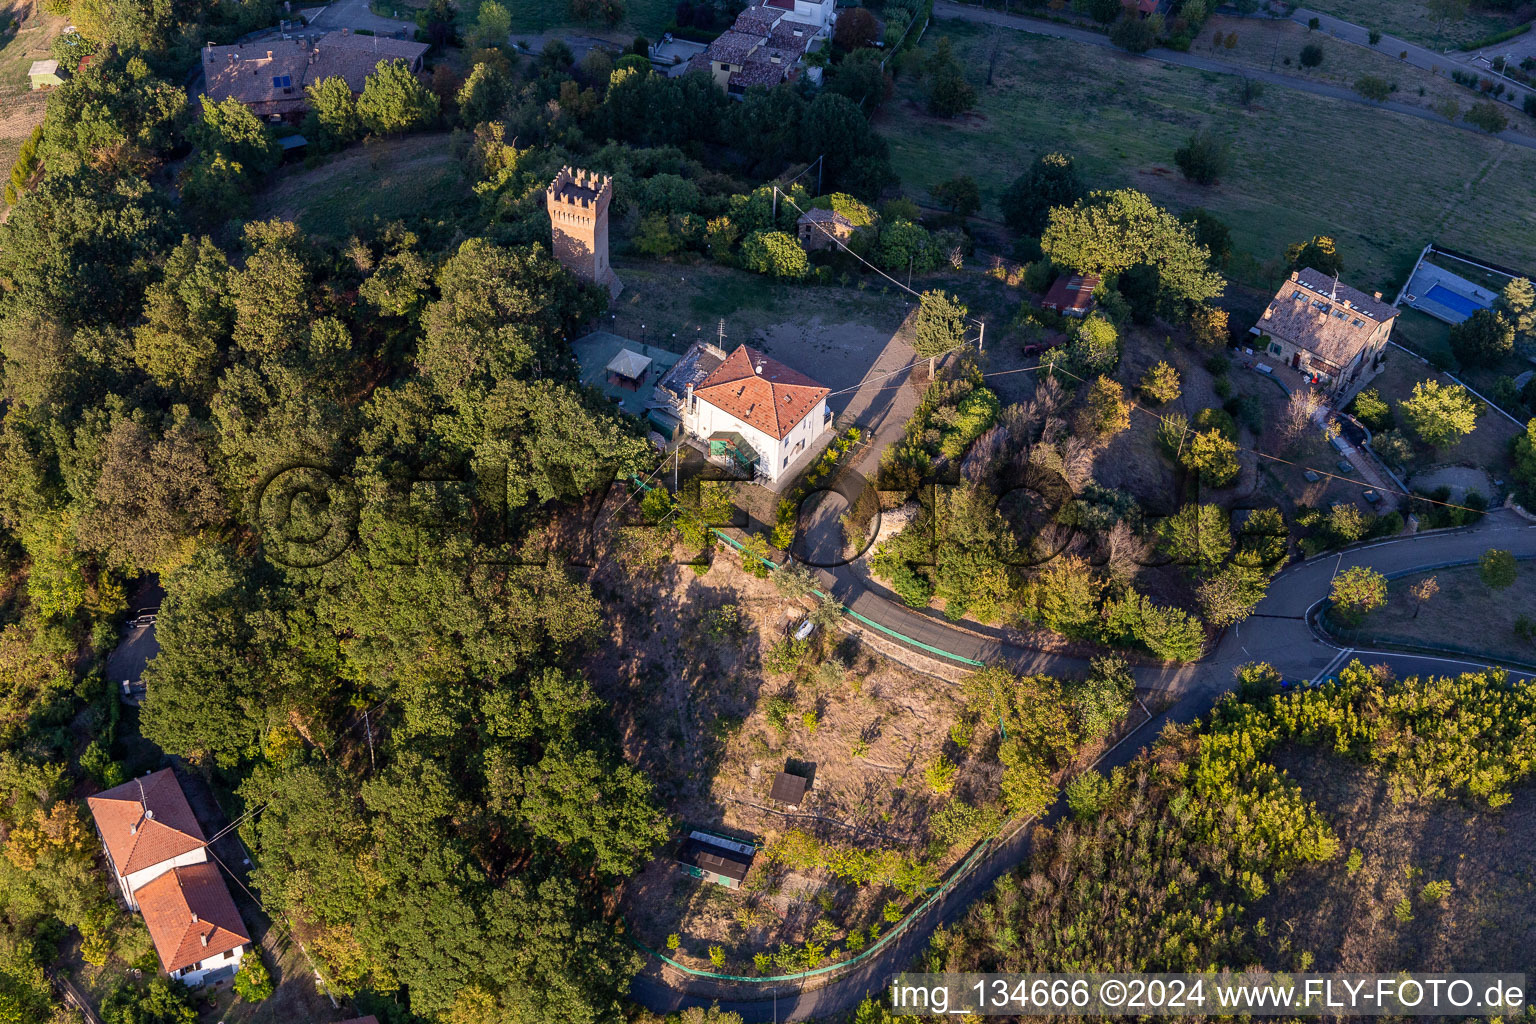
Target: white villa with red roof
[[747, 407], [160, 858]]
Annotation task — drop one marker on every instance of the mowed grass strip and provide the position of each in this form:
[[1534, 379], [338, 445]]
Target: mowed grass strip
[[1465, 615], [1381, 183], [1412, 20]]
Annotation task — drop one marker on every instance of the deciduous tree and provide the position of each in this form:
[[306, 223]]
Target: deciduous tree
[[1051, 181], [1440, 416], [1358, 591]]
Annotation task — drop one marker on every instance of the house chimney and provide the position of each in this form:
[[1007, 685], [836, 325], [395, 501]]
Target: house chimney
[[758, 369], [133, 829], [205, 938], [194, 917], [1293, 275], [1378, 296], [1268, 312], [269, 55]]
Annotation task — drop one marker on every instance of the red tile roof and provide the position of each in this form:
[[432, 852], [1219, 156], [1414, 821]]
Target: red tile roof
[[1070, 292], [145, 821], [190, 916], [761, 391]]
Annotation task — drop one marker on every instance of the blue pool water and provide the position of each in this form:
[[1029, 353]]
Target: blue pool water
[[1453, 300]]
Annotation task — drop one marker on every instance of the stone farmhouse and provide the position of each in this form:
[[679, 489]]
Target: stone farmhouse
[[766, 44], [159, 857], [1326, 330], [822, 229], [269, 76]]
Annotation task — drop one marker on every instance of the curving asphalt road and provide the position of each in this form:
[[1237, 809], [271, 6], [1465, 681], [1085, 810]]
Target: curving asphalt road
[[1035, 26], [1278, 633]]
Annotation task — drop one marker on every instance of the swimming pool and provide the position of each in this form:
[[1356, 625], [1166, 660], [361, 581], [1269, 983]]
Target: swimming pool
[[1462, 304]]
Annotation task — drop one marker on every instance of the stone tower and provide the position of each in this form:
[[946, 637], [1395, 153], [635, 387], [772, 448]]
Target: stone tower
[[578, 223]]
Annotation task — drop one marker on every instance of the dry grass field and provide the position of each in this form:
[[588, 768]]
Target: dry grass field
[[1465, 615], [412, 179], [1302, 164], [1413, 21]]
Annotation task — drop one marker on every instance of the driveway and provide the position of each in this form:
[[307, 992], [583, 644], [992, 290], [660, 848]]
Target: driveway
[[1419, 56], [962, 12], [355, 14], [1278, 633]]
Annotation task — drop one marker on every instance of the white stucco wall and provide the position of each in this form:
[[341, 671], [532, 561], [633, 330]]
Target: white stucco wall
[[709, 419], [198, 972], [143, 876]]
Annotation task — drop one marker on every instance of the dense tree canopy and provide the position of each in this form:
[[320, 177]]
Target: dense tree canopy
[[1111, 232]]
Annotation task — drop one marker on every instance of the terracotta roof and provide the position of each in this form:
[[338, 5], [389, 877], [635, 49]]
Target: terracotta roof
[[190, 916], [760, 71], [146, 821], [733, 47], [784, 36], [272, 74], [756, 21], [698, 62], [1330, 320], [761, 391], [1070, 292]]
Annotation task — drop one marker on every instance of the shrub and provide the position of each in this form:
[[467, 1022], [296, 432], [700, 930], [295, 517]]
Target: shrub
[[775, 253], [252, 981], [1497, 568], [786, 655], [1087, 795], [1358, 591], [777, 711], [1160, 384], [1486, 115], [940, 775], [1374, 37], [1311, 55], [1203, 158]]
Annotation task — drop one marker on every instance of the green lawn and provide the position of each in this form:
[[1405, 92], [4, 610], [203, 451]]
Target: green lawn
[[1383, 184], [1411, 20], [409, 179]]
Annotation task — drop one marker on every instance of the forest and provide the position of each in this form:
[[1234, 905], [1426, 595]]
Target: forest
[[1165, 865], [432, 795]]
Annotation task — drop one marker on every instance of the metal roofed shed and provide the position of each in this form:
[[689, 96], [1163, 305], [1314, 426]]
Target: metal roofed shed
[[716, 859], [629, 365], [789, 789]]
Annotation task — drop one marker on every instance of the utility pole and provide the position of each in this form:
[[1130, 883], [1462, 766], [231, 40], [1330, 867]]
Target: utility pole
[[368, 727], [982, 337]]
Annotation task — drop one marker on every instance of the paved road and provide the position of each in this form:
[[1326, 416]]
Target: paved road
[[1419, 56], [962, 12], [355, 14], [1277, 633]]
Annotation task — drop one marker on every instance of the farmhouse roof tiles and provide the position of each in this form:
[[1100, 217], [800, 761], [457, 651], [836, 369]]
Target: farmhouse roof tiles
[[190, 916], [272, 74], [146, 821], [1326, 318], [761, 391]]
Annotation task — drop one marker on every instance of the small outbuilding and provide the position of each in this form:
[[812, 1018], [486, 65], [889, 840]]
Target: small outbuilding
[[1071, 294], [44, 74], [294, 147], [789, 789], [628, 369], [823, 229], [716, 858]]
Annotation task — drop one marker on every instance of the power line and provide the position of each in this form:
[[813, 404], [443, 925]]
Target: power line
[[1187, 430]]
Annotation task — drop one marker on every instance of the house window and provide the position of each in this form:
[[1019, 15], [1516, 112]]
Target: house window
[[786, 463], [1275, 350]]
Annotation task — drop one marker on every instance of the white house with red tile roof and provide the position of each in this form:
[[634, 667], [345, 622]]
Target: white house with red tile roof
[[159, 856], [753, 408], [194, 924], [147, 828]]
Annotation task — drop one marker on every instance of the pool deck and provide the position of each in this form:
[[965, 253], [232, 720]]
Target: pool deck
[[1427, 277]]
